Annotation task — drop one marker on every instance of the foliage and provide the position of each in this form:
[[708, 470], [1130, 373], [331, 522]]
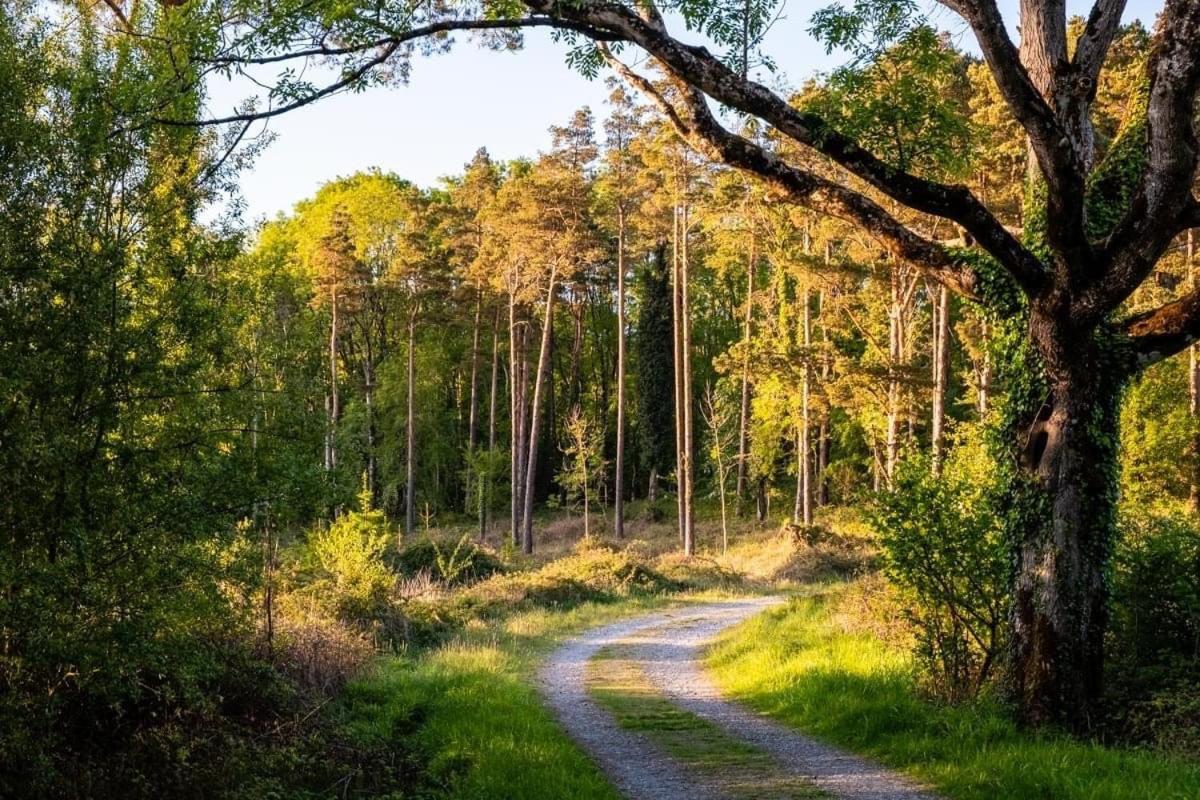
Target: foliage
[[1155, 636], [790, 662], [944, 548], [352, 574]]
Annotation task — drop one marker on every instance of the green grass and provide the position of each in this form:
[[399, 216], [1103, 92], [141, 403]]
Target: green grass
[[619, 685], [470, 708], [800, 665]]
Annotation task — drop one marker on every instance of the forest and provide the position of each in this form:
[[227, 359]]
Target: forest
[[863, 410]]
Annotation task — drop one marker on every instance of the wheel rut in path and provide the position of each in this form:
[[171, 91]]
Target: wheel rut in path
[[667, 647]]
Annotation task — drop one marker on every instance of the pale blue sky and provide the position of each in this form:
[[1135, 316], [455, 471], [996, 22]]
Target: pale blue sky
[[470, 98]]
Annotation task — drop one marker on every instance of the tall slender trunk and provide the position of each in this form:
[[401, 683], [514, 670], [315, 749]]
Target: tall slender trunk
[[410, 433], [941, 359], [895, 353], [369, 404], [485, 493], [824, 425], [619, 469], [804, 499], [334, 403], [744, 412], [689, 450], [516, 417], [1193, 391], [983, 374], [677, 341], [535, 415], [472, 403]]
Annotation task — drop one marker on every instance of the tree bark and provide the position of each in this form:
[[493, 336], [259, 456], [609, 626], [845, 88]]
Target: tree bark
[[1060, 595], [689, 458], [1193, 391], [804, 499], [410, 433], [744, 411], [619, 469], [334, 403], [472, 403], [941, 358], [535, 415], [485, 494], [516, 417], [677, 340]]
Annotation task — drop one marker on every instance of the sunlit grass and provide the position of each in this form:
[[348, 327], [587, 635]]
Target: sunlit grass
[[801, 665]]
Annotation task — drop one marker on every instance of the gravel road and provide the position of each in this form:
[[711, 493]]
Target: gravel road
[[668, 647]]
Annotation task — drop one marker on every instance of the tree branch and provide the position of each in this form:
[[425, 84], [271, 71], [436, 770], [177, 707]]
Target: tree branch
[[1166, 330], [1162, 205], [1092, 48], [700, 129], [699, 68], [388, 47]]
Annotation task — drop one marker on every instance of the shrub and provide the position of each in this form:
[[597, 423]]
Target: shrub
[[1154, 639], [463, 563], [943, 547], [352, 576]]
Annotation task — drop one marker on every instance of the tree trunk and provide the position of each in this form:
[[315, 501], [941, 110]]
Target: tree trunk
[[805, 495], [652, 488], [1060, 595], [474, 393], [689, 457], [941, 359], [744, 412], [1193, 391], [334, 405], [535, 416], [369, 404], [410, 434], [485, 495], [677, 340], [619, 469]]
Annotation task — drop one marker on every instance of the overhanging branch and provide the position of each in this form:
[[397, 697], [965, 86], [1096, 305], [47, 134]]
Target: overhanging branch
[[696, 125], [700, 69]]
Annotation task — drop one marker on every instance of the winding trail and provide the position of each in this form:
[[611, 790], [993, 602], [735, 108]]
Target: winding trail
[[667, 645]]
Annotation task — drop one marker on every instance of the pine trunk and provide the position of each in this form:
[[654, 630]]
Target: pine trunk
[[410, 434], [535, 416], [619, 469], [941, 358], [744, 411]]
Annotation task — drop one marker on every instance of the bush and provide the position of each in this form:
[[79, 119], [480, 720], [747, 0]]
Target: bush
[[461, 563], [1154, 639], [943, 547], [352, 577]]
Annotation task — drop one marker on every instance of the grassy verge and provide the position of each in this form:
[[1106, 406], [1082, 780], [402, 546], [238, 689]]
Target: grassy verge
[[619, 684], [803, 665]]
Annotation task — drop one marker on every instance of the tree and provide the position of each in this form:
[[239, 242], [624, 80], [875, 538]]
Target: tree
[[616, 182], [584, 451], [717, 417]]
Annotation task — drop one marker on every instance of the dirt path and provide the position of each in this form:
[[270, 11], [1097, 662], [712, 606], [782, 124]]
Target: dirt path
[[667, 646]]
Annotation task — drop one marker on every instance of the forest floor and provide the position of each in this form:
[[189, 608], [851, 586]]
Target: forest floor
[[588, 671]]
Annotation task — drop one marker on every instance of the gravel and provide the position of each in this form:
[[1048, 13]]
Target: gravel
[[668, 645]]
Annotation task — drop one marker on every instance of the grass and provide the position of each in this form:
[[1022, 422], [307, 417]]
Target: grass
[[803, 665], [465, 705], [462, 701], [618, 683]]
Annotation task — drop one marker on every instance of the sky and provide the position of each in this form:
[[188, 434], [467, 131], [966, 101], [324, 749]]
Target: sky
[[469, 98]]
